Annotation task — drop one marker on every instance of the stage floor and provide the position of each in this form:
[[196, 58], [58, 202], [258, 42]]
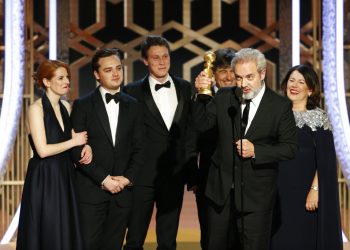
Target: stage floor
[[188, 235]]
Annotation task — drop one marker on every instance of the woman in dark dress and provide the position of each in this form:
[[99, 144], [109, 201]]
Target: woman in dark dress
[[49, 214], [307, 209]]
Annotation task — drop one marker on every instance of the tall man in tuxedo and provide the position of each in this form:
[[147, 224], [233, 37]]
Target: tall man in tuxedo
[[269, 136], [166, 104], [113, 122], [207, 141]]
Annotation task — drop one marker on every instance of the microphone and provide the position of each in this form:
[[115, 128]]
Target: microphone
[[239, 94]]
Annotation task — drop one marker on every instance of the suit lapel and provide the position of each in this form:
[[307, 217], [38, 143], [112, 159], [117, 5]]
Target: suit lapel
[[101, 112], [152, 106], [236, 117], [180, 100], [122, 117], [260, 113]]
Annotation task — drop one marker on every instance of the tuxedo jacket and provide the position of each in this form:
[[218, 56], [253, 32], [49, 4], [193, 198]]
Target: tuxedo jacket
[[122, 159], [200, 148], [273, 133], [164, 154]]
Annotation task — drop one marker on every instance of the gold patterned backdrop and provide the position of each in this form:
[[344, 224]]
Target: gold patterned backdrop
[[188, 37], [191, 26]]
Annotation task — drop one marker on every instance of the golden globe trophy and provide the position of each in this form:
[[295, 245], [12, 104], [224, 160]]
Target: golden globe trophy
[[209, 58]]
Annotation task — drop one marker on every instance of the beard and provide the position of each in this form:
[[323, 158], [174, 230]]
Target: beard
[[249, 95], [253, 93]]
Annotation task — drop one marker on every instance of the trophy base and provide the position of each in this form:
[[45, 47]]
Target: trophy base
[[204, 98], [205, 94]]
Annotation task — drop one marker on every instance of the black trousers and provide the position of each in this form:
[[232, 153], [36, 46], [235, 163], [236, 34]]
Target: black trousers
[[168, 201], [225, 227], [103, 225], [202, 207]]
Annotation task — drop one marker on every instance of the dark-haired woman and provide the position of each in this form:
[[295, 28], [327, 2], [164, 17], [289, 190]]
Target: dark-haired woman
[[307, 209], [49, 214]]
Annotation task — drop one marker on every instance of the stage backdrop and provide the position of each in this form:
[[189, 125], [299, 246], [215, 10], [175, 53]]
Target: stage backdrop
[[191, 26]]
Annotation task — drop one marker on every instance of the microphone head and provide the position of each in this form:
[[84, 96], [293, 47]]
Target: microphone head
[[239, 94]]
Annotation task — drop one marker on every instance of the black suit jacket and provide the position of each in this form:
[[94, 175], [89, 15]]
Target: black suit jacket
[[200, 148], [164, 159], [125, 158], [273, 133]]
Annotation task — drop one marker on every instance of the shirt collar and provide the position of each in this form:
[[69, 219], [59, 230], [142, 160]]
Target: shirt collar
[[257, 99], [216, 89], [153, 81], [103, 92]]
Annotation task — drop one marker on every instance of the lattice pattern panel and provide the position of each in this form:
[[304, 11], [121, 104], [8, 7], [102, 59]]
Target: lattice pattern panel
[[192, 27]]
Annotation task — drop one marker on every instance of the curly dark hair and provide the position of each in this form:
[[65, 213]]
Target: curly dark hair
[[223, 58], [312, 83]]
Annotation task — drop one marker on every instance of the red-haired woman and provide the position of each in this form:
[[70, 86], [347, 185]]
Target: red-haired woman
[[49, 214]]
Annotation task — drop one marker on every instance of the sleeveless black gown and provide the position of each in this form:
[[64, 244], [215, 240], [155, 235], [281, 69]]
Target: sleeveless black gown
[[49, 212]]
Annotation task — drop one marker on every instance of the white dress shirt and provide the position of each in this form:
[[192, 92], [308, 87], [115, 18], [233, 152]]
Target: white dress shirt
[[216, 89], [165, 99], [254, 105], [112, 109]]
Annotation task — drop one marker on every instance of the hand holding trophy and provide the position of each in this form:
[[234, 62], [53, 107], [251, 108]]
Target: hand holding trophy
[[209, 58]]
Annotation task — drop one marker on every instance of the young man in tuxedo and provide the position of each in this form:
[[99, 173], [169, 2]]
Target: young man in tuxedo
[[262, 122], [113, 122], [166, 106], [206, 142]]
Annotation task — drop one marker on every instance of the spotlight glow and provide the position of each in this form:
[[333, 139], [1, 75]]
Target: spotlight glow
[[14, 77], [13, 86], [295, 32], [53, 30], [333, 77], [12, 228]]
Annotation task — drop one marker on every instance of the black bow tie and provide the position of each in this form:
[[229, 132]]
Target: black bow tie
[[115, 97], [165, 85]]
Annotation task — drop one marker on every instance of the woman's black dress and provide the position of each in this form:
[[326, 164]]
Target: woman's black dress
[[294, 228], [49, 213]]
